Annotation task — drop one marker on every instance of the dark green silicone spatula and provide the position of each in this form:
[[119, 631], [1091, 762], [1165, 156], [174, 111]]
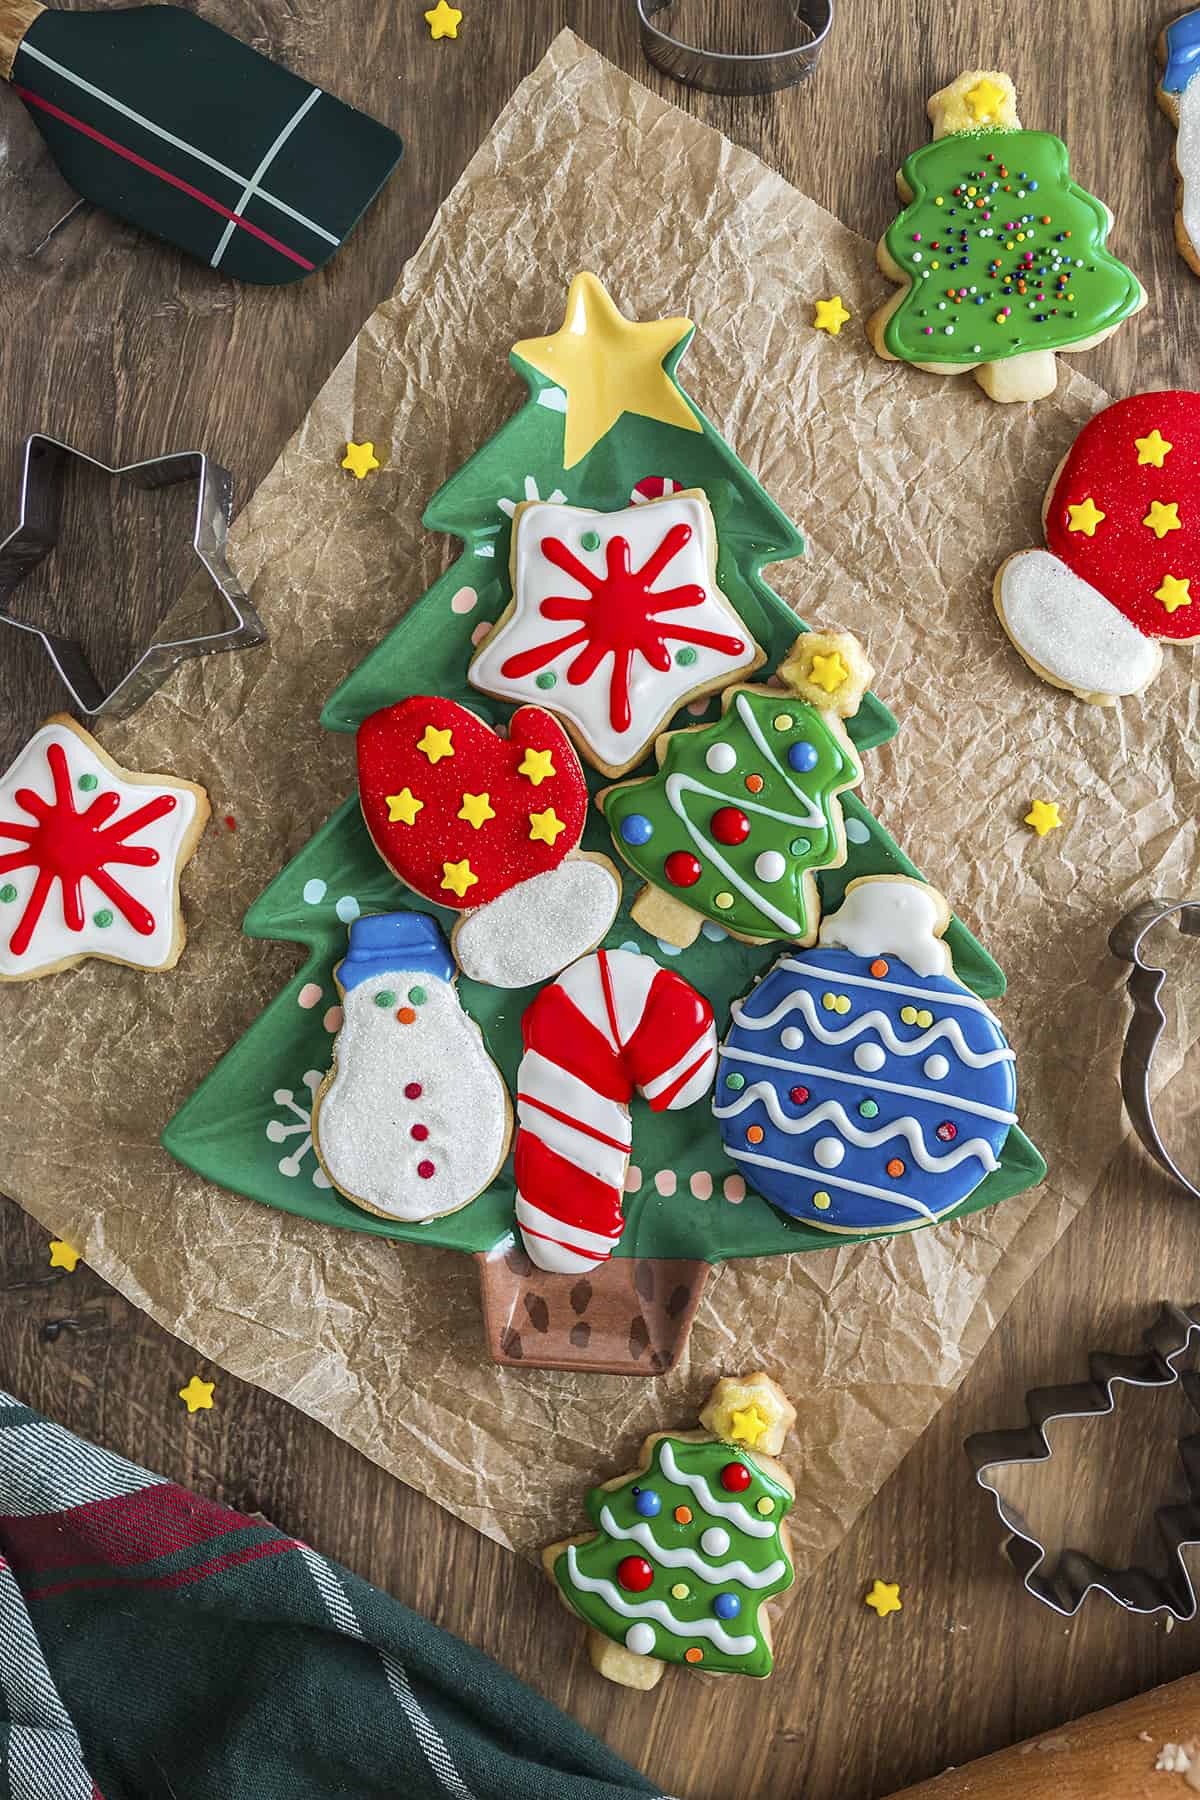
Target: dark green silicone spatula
[[189, 134]]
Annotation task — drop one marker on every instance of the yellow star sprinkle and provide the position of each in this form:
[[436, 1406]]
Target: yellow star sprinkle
[[608, 365], [443, 21], [403, 807], [747, 1427], [197, 1396], [1161, 519], [829, 672], [544, 827], [1153, 449], [985, 100], [1043, 817], [1085, 517], [1174, 592], [435, 744], [830, 316], [62, 1256], [360, 459], [458, 877], [885, 1598], [537, 766], [476, 809]]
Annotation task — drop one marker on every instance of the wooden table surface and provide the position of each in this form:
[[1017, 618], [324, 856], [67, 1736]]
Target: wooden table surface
[[125, 350]]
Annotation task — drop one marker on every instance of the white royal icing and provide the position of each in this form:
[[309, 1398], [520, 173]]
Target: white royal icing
[[363, 1124], [654, 1609], [883, 1087], [733, 1510], [1187, 159], [685, 1558], [532, 930], [654, 694], [152, 887], [899, 916], [870, 1056], [829, 1152], [1068, 628]]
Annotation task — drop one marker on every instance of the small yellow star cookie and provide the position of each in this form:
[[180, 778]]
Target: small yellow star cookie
[[197, 1396], [884, 1598], [1043, 817], [443, 21], [62, 1256], [830, 315], [360, 459]]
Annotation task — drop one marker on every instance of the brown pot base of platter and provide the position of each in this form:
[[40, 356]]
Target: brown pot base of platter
[[631, 1316]]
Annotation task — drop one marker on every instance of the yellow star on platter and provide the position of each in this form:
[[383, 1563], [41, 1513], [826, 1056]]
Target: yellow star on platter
[[747, 1427], [985, 100], [1174, 592], [1085, 517], [885, 1598], [476, 809], [829, 672], [830, 315], [1161, 519], [403, 807], [537, 766], [458, 877], [360, 459], [197, 1396], [544, 827], [1043, 817], [435, 744], [62, 1256], [443, 21], [1153, 449], [608, 365]]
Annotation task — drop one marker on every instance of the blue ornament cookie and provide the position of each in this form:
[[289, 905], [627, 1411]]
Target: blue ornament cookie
[[862, 1087]]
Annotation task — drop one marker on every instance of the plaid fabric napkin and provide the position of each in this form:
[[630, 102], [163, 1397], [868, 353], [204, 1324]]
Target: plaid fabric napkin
[[155, 1646]]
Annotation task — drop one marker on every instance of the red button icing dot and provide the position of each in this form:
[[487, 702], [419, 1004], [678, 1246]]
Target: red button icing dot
[[412, 1090], [798, 1095], [635, 1574], [735, 1478], [420, 1132], [425, 1169], [947, 1131], [729, 825], [682, 869]]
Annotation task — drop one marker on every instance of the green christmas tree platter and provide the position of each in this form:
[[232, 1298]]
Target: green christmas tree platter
[[607, 427], [1000, 258]]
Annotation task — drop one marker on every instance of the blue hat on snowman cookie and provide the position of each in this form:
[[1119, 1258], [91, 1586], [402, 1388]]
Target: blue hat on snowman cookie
[[391, 943]]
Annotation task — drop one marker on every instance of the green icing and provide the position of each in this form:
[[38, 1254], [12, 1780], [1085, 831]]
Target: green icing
[[688, 790], [1074, 287], [698, 1466]]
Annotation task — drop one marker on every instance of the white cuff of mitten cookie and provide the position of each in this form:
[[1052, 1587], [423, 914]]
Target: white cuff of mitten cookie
[[535, 929], [1065, 627]]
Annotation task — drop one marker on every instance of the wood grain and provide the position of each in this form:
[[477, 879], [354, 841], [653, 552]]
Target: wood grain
[[121, 347]]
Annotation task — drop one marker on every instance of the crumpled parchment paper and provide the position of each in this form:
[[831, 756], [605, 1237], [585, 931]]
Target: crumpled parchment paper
[[911, 490]]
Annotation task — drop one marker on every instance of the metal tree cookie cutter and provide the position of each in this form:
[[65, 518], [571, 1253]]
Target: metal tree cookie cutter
[[730, 72], [1067, 1582], [1149, 1021], [37, 533]]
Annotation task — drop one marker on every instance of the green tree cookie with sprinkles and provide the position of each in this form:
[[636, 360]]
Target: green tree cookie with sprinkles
[[999, 256], [689, 1547], [743, 811]]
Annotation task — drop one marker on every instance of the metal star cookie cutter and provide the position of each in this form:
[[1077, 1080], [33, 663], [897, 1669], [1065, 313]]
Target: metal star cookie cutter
[[42, 479], [1070, 1578], [729, 72], [1149, 1021]]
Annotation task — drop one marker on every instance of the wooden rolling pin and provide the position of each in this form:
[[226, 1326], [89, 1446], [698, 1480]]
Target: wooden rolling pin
[[1108, 1755]]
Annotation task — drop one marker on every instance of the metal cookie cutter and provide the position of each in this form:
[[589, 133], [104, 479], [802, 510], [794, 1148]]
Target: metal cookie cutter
[[1149, 1021], [37, 533], [1066, 1583], [727, 72]]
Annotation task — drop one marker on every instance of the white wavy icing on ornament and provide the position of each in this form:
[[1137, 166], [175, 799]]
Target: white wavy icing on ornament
[[882, 1087], [531, 931], [904, 1202], [844, 979], [1069, 629], [654, 1609], [897, 918], [803, 1002], [1187, 159], [686, 1558], [832, 1112], [717, 1509]]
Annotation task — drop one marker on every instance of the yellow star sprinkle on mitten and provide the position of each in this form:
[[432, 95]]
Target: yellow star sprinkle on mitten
[[1153, 449], [476, 809], [1174, 592], [1161, 519], [62, 1256], [884, 1597], [403, 807], [458, 877], [360, 459], [544, 827], [536, 766], [443, 21], [1043, 817], [830, 316], [197, 1396], [1085, 517], [435, 744]]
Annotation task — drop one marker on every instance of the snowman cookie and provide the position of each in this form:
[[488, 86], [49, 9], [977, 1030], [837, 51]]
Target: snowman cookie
[[490, 826], [1178, 94], [616, 621], [413, 1119], [862, 1087]]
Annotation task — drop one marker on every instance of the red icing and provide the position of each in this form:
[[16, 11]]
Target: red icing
[[735, 1478], [799, 1095], [412, 1090], [619, 617], [64, 845], [729, 825], [1125, 560], [635, 1574], [425, 1170], [500, 851], [682, 869]]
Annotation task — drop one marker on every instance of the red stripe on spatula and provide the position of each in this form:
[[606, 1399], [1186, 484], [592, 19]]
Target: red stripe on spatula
[[185, 187]]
